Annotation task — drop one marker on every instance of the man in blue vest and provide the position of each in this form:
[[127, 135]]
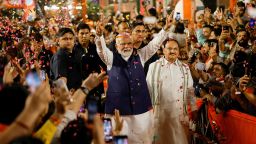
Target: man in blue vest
[[127, 87]]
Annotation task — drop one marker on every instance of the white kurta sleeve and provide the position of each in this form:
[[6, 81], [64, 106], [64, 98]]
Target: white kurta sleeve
[[191, 95], [149, 80], [149, 50], [104, 53]]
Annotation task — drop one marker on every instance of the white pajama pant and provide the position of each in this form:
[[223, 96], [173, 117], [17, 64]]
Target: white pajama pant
[[138, 128]]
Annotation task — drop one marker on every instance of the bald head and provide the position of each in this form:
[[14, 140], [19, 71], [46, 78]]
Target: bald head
[[122, 36]]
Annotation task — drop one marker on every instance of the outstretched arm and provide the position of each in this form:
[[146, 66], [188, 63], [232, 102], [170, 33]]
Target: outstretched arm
[[104, 53], [149, 50]]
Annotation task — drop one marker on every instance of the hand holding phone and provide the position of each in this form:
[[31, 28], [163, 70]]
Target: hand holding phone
[[200, 66], [252, 23], [108, 137], [178, 17], [225, 28], [33, 80], [42, 74], [121, 139]]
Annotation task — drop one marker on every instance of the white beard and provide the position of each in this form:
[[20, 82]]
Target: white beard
[[125, 54]]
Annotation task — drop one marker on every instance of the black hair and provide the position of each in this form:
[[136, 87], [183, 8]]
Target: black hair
[[215, 88], [179, 28], [37, 19], [198, 87], [135, 24], [82, 26], [217, 31], [240, 4], [208, 26], [76, 133], [208, 42], [13, 98], [139, 17], [108, 28], [239, 61], [167, 40], [63, 31], [38, 37], [154, 29], [120, 22], [241, 28], [223, 66], [162, 21], [152, 11]]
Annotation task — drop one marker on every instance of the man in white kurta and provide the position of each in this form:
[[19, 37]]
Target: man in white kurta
[[170, 86]]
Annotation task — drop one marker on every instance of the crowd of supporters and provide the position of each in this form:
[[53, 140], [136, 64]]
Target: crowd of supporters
[[219, 47]]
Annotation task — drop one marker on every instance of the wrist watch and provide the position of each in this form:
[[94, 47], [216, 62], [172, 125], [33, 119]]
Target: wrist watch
[[85, 90]]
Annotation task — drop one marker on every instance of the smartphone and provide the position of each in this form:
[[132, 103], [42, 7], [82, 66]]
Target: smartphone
[[92, 109], [108, 137], [213, 44], [122, 139], [42, 74], [29, 30], [177, 18], [200, 66], [82, 109], [33, 80], [225, 27], [252, 22]]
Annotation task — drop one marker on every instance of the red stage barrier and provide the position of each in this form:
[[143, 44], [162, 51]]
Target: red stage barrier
[[236, 127]]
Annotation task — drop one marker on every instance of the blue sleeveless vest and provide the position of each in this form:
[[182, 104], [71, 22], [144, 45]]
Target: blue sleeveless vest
[[127, 87]]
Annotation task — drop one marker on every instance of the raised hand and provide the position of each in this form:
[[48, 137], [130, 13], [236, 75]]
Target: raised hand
[[100, 26], [219, 14], [207, 13], [40, 99], [119, 122], [243, 82], [62, 99], [93, 80], [169, 19], [8, 74]]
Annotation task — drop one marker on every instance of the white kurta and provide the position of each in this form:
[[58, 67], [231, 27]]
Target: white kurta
[[170, 112], [139, 128]]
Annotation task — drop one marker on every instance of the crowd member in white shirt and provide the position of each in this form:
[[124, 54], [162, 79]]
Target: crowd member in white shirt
[[171, 89]]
